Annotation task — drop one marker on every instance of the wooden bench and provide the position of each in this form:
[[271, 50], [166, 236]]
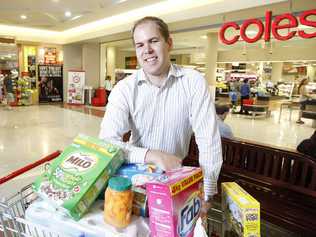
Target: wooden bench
[[284, 182]]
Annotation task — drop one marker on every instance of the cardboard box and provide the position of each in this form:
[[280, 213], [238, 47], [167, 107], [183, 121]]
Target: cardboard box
[[174, 202], [241, 211], [74, 179]]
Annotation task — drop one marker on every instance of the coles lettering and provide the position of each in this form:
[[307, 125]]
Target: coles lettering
[[271, 26]]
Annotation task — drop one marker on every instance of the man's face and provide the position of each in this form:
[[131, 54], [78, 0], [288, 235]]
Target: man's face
[[152, 50]]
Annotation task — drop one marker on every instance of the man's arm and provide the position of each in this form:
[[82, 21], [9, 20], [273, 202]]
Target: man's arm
[[116, 122], [207, 136]]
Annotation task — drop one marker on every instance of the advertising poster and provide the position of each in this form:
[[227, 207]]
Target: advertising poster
[[75, 90], [50, 83]]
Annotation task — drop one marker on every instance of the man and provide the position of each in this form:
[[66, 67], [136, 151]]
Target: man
[[244, 94], [8, 91], [224, 129], [162, 105], [108, 85]]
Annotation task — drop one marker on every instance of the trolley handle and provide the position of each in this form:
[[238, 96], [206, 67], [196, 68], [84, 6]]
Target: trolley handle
[[29, 167]]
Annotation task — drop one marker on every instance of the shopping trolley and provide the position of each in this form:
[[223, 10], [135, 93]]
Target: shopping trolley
[[215, 222], [12, 209]]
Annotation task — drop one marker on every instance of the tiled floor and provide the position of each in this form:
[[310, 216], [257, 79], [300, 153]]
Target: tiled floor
[[29, 133]]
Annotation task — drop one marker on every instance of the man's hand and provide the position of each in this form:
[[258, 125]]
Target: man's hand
[[163, 160]]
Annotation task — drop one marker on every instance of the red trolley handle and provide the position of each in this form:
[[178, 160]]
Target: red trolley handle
[[29, 167]]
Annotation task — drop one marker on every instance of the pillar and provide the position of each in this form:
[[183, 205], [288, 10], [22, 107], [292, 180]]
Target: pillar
[[311, 73], [276, 74], [211, 61], [110, 63], [102, 64]]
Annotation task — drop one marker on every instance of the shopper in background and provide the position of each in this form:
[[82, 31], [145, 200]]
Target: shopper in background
[[1, 86], [224, 129], [244, 94], [308, 146], [108, 85], [8, 90], [302, 91], [162, 105]]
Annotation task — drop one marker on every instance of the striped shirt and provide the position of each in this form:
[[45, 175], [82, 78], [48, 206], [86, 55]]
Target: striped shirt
[[164, 118]]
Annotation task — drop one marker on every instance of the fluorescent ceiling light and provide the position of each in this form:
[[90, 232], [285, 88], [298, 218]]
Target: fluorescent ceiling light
[[23, 17], [203, 37], [76, 17], [251, 32], [302, 27], [119, 1]]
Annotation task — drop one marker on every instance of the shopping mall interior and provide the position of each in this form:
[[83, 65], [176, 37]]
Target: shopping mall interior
[[65, 56]]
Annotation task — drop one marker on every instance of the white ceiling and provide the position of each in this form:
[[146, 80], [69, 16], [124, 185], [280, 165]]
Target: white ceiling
[[50, 14], [99, 18]]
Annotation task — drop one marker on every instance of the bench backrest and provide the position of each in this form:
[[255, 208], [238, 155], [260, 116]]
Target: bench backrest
[[276, 168]]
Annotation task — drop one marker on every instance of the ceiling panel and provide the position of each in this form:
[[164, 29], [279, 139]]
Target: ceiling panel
[[50, 14]]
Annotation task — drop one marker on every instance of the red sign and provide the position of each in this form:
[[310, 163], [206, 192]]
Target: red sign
[[265, 29]]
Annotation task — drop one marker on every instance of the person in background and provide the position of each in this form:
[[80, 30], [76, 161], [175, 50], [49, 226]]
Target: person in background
[[302, 91], [8, 90], [108, 85], [1, 86], [308, 146], [233, 99], [224, 129], [162, 105], [244, 94]]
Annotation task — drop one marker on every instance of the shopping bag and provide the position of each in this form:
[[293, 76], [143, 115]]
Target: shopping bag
[[199, 230]]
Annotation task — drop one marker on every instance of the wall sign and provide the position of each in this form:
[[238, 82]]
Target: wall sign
[[75, 90], [271, 26]]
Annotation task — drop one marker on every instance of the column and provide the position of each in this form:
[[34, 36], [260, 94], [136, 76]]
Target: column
[[211, 60], [102, 64], [91, 64], [110, 63], [311, 73], [276, 74]]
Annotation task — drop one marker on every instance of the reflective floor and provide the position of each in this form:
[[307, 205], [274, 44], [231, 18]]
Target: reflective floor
[[29, 133]]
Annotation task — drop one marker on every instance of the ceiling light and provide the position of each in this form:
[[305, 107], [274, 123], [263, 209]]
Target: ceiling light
[[203, 37], [68, 14], [75, 17], [119, 1], [23, 17], [251, 32]]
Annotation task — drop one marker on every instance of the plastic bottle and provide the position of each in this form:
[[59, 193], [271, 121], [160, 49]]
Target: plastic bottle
[[118, 202]]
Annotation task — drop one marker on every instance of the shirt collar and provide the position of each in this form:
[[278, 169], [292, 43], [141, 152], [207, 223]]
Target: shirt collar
[[174, 72]]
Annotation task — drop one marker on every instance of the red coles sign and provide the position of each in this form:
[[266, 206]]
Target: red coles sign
[[265, 29]]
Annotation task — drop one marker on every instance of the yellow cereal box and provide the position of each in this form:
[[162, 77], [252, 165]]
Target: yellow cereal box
[[241, 211]]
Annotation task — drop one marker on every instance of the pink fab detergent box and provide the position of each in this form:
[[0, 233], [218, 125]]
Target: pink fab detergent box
[[174, 202]]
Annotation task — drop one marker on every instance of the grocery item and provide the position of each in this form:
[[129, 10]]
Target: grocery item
[[118, 202], [241, 211], [75, 178], [90, 225], [174, 202], [139, 174]]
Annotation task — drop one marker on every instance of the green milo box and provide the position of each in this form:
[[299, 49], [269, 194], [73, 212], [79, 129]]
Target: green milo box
[[74, 179]]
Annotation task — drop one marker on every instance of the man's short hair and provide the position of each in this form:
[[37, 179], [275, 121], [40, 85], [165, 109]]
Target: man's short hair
[[221, 109], [162, 26]]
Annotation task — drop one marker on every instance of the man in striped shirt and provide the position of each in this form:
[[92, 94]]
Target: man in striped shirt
[[163, 105]]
